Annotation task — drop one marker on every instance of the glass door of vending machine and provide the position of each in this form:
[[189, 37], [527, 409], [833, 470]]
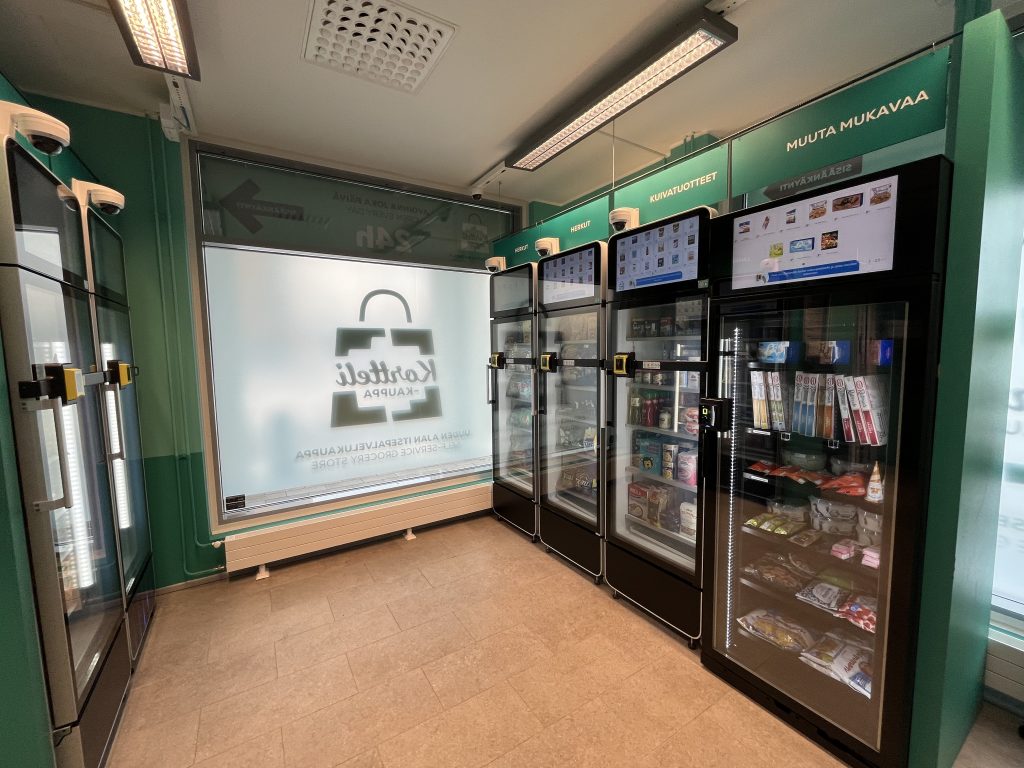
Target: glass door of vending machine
[[809, 510], [514, 404], [571, 417], [512, 394], [653, 467], [570, 378]]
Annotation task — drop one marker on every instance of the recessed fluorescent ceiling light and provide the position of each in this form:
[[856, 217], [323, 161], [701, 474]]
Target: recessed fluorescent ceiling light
[[158, 35], [704, 37]]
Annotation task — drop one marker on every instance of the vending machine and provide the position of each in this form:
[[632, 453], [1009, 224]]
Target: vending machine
[[827, 327], [570, 380], [512, 394], [657, 342], [113, 348], [57, 385]]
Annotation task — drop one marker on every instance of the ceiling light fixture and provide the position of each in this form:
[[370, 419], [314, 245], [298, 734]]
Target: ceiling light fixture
[[683, 47], [158, 34]]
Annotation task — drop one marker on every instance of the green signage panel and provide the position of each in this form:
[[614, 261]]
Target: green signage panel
[[900, 104], [583, 224], [700, 180], [255, 204]]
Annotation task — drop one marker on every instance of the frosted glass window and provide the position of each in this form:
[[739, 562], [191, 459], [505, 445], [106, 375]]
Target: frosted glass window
[[336, 377], [1008, 585]]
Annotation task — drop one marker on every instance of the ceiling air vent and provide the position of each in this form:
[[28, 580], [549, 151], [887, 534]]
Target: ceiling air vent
[[385, 42]]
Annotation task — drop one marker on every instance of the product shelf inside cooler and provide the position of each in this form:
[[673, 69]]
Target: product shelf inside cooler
[[819, 554], [637, 472], [685, 337], [760, 486], [823, 694], [659, 431], [562, 416], [821, 621], [585, 501], [677, 542], [666, 388]]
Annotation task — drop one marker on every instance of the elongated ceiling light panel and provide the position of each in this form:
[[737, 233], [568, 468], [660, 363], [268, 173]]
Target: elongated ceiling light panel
[[702, 37], [158, 35]]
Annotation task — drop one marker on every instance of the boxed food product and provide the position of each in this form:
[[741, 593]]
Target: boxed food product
[[845, 549], [880, 352], [806, 538], [649, 453], [814, 460], [688, 518], [778, 630], [636, 503], [834, 352], [778, 351]]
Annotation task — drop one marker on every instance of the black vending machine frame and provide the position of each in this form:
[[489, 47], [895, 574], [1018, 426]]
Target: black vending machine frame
[[569, 537], [508, 501], [916, 279], [666, 592]]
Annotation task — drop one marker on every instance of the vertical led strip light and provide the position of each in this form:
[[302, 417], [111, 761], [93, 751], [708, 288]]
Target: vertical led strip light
[[706, 37], [158, 34]]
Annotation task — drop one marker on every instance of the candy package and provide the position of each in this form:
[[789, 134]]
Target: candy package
[[823, 595], [861, 610], [778, 630], [845, 549]]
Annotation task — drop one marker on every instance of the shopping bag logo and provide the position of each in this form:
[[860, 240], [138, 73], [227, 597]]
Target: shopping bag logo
[[384, 374], [475, 236]]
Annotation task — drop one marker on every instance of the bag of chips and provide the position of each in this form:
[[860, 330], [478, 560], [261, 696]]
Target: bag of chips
[[778, 630]]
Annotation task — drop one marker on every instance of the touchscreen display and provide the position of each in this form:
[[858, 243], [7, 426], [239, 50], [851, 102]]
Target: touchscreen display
[[662, 254], [850, 231], [569, 276], [511, 290]]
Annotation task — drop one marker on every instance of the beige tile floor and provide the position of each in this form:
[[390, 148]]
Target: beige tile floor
[[465, 647]]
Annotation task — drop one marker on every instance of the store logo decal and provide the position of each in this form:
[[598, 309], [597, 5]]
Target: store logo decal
[[384, 379]]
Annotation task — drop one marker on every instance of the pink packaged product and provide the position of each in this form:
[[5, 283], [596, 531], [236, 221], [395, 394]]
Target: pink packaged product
[[845, 549]]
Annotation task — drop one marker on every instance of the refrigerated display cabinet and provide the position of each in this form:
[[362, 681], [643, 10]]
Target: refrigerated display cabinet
[[825, 378]]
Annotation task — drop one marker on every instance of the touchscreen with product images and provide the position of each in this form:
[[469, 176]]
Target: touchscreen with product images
[[849, 231], [569, 276], [667, 253]]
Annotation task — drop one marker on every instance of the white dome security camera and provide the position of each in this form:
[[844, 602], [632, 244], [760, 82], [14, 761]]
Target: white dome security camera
[[495, 264], [622, 219], [546, 246], [108, 200], [47, 134]]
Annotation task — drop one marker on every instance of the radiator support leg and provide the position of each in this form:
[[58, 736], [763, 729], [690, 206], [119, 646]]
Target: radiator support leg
[[409, 535], [262, 572]]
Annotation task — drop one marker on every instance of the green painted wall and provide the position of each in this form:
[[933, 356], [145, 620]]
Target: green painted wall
[[24, 711], [132, 155], [980, 306]]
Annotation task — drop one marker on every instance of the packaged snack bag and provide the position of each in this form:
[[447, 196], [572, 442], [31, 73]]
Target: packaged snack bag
[[861, 610], [823, 595], [775, 569], [778, 630]]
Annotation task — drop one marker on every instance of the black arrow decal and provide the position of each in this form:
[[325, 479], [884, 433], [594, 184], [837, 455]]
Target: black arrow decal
[[241, 204]]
